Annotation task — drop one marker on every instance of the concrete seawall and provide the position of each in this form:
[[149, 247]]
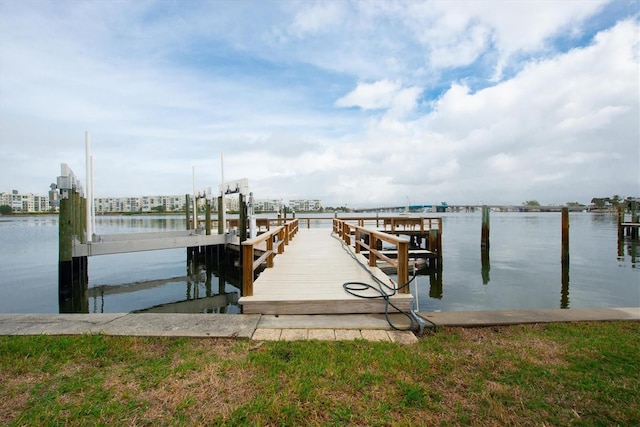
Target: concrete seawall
[[287, 327]]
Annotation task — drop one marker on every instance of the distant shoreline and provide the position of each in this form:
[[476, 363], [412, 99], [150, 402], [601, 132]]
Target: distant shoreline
[[531, 209]]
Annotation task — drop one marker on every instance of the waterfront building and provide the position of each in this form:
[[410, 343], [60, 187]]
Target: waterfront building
[[25, 202], [33, 203], [171, 203], [268, 205], [305, 205]]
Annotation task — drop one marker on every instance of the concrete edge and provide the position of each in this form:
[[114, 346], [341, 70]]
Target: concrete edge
[[256, 326], [514, 317]]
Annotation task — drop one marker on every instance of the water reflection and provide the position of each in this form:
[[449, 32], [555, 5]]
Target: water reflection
[[143, 223], [207, 287], [564, 298], [435, 283], [486, 265], [632, 247]]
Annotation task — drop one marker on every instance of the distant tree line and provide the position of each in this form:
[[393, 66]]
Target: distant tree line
[[630, 203]]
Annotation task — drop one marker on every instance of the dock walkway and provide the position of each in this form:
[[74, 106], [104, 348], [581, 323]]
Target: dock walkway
[[308, 278]]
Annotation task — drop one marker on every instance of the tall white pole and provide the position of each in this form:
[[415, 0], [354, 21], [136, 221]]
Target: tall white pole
[[93, 195], [223, 205], [89, 196], [195, 199]]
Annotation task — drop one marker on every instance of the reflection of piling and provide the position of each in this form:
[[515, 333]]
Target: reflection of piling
[[620, 221], [486, 266], [564, 299], [435, 281], [565, 236], [484, 238]]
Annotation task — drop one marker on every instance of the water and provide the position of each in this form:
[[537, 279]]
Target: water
[[524, 270]]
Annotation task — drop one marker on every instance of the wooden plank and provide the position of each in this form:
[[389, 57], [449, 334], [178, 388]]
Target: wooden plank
[[308, 279]]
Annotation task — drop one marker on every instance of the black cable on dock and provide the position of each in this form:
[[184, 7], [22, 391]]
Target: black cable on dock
[[356, 289]]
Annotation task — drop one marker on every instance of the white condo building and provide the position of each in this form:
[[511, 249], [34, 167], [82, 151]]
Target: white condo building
[[27, 202], [305, 205], [173, 203]]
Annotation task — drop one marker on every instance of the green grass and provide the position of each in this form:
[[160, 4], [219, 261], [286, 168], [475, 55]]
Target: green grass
[[556, 374]]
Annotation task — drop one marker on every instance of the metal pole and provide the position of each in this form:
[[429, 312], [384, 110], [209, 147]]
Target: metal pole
[[222, 206], [93, 207], [89, 186], [195, 198]]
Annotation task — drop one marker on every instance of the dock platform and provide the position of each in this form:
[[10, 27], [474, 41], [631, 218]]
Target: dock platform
[[308, 278]]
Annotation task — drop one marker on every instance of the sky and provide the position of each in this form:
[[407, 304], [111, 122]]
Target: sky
[[356, 103]]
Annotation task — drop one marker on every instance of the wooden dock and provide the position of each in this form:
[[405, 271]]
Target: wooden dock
[[308, 277]]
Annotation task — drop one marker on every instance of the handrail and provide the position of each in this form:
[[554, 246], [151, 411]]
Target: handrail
[[391, 222], [282, 235], [344, 230]]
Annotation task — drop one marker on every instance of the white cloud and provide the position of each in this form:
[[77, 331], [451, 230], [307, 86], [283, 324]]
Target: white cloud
[[358, 103], [370, 96], [320, 16]]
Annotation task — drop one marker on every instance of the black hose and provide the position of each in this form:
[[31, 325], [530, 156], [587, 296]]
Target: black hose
[[356, 289]]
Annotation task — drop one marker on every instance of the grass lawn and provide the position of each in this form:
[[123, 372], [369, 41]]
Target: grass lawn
[[554, 374]]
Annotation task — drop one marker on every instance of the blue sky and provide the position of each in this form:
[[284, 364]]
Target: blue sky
[[353, 102]]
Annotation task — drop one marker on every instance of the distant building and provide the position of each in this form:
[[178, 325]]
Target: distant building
[[305, 205], [267, 205], [171, 203], [25, 202]]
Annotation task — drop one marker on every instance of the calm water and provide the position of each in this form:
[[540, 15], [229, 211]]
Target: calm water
[[524, 269]]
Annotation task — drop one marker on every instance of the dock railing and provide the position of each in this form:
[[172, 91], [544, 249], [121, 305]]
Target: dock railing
[[275, 240], [397, 224], [343, 229]]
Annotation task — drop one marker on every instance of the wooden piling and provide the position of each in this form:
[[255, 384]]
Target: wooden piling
[[207, 217], [221, 224], [564, 294], [187, 203], [435, 245], [242, 220], [65, 241], [484, 238], [72, 271], [565, 236]]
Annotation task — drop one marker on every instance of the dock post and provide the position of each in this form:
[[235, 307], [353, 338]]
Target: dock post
[[565, 236], [221, 224], [72, 271], [403, 267], [65, 244], [208, 250], [187, 206], [246, 256], [484, 239], [242, 218], [207, 217]]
